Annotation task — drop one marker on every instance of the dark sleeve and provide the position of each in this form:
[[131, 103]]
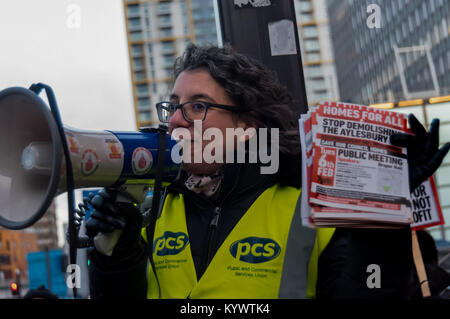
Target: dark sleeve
[[112, 277], [343, 265]]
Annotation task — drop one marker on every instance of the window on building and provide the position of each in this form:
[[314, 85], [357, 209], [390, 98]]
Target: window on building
[[360, 70], [385, 79], [426, 75], [136, 50], [417, 111], [379, 82], [143, 103], [443, 175], [140, 75], [310, 31], [394, 8], [167, 32], [312, 57], [311, 45], [168, 72], [444, 29], [138, 63], [142, 89], [305, 6], [306, 17], [165, 20], [354, 23], [163, 7], [411, 23], [387, 47], [424, 10], [320, 95], [448, 58], [134, 24], [318, 85], [441, 65], [398, 35], [314, 71], [136, 36], [404, 30], [144, 116], [169, 59], [388, 15], [167, 46], [133, 10], [440, 111], [407, 59]]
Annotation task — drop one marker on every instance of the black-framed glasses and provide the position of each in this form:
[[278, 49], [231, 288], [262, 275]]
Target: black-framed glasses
[[191, 110]]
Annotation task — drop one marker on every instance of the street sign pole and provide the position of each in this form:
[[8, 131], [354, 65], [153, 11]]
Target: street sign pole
[[266, 30]]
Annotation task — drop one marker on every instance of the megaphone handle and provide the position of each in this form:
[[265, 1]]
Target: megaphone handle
[[105, 242]]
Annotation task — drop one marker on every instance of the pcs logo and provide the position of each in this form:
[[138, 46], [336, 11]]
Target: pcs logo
[[255, 249], [170, 243]]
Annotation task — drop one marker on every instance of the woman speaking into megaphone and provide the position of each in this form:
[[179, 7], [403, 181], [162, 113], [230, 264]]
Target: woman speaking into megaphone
[[230, 226]]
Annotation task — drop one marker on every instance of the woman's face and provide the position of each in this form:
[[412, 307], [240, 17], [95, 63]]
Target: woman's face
[[199, 85]]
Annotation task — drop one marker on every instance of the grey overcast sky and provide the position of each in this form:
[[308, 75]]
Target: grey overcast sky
[[79, 48]]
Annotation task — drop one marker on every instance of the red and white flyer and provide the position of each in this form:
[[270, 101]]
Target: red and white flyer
[[354, 165], [352, 175]]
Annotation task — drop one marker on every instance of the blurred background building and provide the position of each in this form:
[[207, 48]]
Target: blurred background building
[[403, 63], [158, 32], [317, 51], [14, 247], [369, 70], [46, 230]]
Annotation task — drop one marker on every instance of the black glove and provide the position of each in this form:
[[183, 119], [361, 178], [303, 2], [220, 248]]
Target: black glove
[[424, 155], [109, 216]]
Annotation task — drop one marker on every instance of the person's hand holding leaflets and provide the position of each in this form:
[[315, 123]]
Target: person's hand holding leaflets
[[424, 154]]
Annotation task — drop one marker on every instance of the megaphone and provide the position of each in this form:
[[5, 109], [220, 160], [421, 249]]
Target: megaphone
[[33, 165]]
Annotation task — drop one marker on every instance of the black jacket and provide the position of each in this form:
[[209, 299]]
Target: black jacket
[[342, 266]]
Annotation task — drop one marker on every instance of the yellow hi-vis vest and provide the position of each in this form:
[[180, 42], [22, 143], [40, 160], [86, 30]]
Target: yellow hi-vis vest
[[266, 255]]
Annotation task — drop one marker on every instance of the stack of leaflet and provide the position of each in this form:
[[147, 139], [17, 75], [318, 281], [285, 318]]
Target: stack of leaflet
[[351, 175]]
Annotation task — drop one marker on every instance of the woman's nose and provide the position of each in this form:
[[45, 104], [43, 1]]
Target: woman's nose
[[177, 120]]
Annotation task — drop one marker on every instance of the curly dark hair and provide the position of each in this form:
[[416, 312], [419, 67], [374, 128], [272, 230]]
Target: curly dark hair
[[256, 89]]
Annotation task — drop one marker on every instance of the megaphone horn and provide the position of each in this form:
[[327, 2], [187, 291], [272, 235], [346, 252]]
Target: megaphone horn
[[33, 166]]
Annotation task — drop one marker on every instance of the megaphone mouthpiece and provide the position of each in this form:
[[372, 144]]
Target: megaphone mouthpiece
[[36, 157]]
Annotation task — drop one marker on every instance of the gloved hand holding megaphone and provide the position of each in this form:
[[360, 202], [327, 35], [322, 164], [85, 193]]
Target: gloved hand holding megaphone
[[115, 226]]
